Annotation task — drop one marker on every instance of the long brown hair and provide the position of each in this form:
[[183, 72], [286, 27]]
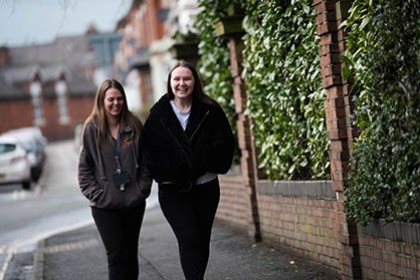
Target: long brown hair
[[98, 114], [198, 93]]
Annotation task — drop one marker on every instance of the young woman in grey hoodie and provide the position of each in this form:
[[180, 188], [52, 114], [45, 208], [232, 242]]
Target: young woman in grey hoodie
[[113, 177]]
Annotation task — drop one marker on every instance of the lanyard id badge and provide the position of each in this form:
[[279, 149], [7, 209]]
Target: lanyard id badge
[[120, 177]]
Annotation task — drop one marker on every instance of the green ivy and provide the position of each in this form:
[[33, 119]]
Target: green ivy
[[282, 72], [214, 63], [286, 99], [384, 58]]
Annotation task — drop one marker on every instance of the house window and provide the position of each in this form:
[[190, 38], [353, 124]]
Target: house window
[[35, 91], [61, 89]]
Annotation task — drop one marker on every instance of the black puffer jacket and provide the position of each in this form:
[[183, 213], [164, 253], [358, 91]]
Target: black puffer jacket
[[172, 155]]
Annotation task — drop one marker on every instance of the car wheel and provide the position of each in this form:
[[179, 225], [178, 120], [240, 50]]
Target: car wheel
[[26, 185], [36, 174]]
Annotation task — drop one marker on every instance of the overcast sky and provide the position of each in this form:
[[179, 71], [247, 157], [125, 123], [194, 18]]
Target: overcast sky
[[23, 22]]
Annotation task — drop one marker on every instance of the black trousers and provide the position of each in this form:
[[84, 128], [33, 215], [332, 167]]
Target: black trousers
[[191, 215], [120, 230]]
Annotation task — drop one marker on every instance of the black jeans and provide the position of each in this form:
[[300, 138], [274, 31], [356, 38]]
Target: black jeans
[[120, 230], [191, 215]]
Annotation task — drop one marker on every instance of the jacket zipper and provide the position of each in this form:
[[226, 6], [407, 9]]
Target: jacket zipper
[[199, 125], [189, 140], [179, 144]]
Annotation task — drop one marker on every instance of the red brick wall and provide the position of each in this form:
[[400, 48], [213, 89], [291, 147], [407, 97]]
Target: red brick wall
[[15, 113], [301, 215], [19, 113], [390, 250], [52, 128], [234, 206], [386, 259], [80, 108]]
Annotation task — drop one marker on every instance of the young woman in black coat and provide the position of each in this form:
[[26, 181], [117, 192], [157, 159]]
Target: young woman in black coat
[[187, 142]]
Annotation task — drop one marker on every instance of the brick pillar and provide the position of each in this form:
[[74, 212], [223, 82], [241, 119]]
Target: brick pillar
[[338, 107], [245, 135], [231, 28]]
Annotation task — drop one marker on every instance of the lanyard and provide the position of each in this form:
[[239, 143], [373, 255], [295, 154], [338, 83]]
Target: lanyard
[[120, 178], [117, 150]]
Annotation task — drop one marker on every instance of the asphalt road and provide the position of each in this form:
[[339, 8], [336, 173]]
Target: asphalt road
[[52, 206]]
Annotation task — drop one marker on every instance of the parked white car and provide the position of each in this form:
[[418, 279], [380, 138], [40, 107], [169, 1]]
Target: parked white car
[[32, 140], [15, 167]]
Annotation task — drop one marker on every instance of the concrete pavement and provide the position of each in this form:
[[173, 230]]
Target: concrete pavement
[[79, 254]]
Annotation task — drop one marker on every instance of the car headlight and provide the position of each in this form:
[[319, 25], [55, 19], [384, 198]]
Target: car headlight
[[31, 158]]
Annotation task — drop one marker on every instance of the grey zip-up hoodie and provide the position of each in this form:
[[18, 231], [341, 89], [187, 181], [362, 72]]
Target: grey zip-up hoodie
[[97, 166]]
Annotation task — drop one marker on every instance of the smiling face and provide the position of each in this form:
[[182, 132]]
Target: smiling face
[[182, 83], [113, 102]]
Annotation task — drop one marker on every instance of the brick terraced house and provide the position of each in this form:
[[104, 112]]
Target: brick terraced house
[[51, 86]]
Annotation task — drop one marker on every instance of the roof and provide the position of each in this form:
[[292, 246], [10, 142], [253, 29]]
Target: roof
[[15, 75], [73, 51], [11, 80], [8, 91], [66, 56], [79, 86]]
